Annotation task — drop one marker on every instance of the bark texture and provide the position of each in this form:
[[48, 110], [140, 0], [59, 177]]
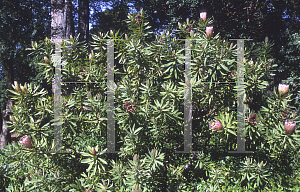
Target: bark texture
[[83, 19], [58, 19], [70, 31], [5, 132]]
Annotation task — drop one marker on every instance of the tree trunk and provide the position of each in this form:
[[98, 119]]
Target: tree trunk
[[5, 134], [70, 30], [83, 19], [58, 19]]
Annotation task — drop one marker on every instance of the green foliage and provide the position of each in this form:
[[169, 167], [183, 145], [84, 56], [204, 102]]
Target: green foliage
[[149, 72]]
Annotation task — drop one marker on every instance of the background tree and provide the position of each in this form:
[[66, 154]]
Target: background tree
[[83, 19], [70, 28], [20, 23], [58, 19], [110, 19]]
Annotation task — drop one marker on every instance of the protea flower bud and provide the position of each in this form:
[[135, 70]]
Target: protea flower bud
[[47, 61], [135, 158], [153, 151], [93, 151], [283, 88], [138, 19], [203, 16], [126, 36], [283, 115], [215, 125], [23, 89], [209, 31], [111, 32], [266, 40], [26, 141], [192, 33], [37, 121], [136, 188], [232, 73], [252, 119], [289, 126], [17, 86], [188, 28]]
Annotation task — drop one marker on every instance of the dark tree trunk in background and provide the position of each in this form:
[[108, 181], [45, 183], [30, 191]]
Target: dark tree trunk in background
[[70, 30], [58, 19], [83, 19], [5, 134]]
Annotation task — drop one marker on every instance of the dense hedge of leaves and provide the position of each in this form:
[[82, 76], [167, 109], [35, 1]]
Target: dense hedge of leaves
[[149, 72]]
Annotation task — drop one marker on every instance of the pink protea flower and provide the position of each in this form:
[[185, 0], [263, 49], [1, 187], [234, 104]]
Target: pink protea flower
[[283, 88], [215, 125], [26, 141], [203, 16], [209, 31], [289, 126]]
